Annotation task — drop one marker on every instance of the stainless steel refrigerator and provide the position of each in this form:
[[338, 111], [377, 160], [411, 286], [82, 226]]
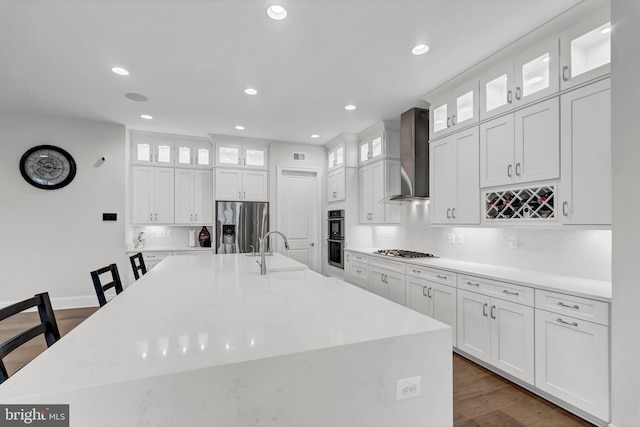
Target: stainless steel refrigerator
[[239, 225]]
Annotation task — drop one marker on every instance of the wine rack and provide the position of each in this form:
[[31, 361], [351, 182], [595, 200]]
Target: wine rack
[[536, 203]]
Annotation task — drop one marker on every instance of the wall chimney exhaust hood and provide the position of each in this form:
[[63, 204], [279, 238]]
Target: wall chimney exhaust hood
[[414, 155]]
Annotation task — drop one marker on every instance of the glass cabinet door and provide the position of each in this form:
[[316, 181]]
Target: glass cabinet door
[[164, 153], [184, 155], [255, 157], [496, 91], [228, 155], [586, 52], [339, 156], [202, 156], [537, 73], [364, 152], [331, 161], [440, 119]]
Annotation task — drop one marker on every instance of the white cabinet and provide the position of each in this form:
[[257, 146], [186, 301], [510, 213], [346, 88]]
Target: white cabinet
[[336, 185], [455, 178], [378, 181], [529, 77], [496, 324], [151, 149], [388, 279], [455, 110], [236, 155], [585, 188], [336, 157], [521, 147], [152, 195], [193, 196], [572, 354], [381, 141], [427, 292], [244, 185], [357, 270], [585, 51], [197, 154]]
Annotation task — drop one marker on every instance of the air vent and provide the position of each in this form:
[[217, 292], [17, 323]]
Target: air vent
[[300, 157]]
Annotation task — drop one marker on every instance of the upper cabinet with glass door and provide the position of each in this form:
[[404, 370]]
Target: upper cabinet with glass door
[[455, 110], [153, 149], [234, 155], [531, 76], [335, 157], [586, 52], [380, 141], [194, 152]]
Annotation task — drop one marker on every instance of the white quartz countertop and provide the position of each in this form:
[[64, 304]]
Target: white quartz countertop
[[133, 250], [190, 313], [589, 288]]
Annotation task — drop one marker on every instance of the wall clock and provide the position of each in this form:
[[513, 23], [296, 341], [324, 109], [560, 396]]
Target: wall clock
[[47, 167]]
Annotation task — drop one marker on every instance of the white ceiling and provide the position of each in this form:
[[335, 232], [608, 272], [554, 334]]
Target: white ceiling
[[194, 58]]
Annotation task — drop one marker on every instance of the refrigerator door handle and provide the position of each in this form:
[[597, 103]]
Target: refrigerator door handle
[[240, 229]]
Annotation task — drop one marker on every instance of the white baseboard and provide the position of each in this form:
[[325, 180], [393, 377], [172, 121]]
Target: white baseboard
[[65, 302]]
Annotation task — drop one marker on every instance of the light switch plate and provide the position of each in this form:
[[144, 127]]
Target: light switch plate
[[452, 238]]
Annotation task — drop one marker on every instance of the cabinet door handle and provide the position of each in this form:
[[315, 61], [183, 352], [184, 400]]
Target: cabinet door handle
[[575, 306], [441, 277], [239, 195], [156, 217], [449, 213], [473, 284], [244, 194], [429, 293], [239, 162], [493, 311], [506, 292], [191, 217], [423, 288], [509, 97], [196, 217], [518, 93], [453, 213], [559, 320], [453, 119], [565, 208], [518, 169], [150, 217], [565, 71], [510, 171], [484, 309], [448, 122]]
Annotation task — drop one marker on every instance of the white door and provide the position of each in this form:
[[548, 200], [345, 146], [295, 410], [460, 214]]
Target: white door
[[443, 174], [298, 214], [496, 151], [474, 328]]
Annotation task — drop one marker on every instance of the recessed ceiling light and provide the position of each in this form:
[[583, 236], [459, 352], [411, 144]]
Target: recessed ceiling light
[[315, 135], [277, 12], [136, 97], [250, 91], [240, 127], [350, 107], [146, 117], [420, 49], [120, 71]]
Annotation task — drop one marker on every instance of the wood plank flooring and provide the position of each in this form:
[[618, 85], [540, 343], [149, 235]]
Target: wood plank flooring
[[480, 397]]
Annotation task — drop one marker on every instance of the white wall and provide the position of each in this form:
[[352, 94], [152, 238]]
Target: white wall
[[580, 253], [52, 239], [625, 94]]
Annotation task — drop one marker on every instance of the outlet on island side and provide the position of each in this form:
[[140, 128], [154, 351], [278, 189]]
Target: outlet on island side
[[409, 388]]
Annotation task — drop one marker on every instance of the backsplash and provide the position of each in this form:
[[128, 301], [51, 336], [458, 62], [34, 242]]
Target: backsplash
[[166, 236], [580, 253]]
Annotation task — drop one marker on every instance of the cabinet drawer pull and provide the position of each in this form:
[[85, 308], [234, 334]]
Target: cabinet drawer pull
[[473, 284], [416, 271], [559, 320], [484, 309], [506, 292], [441, 277], [575, 306], [565, 70]]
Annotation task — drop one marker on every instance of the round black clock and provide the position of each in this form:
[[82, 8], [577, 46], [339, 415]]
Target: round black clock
[[47, 167]]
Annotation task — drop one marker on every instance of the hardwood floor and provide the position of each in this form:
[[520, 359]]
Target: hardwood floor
[[480, 397]]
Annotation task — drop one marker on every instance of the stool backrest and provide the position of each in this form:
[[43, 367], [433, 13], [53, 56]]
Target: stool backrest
[[114, 283], [137, 264]]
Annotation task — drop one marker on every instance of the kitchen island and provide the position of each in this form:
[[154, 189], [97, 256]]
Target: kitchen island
[[207, 340]]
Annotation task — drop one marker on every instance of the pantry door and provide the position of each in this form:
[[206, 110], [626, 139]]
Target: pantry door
[[297, 213]]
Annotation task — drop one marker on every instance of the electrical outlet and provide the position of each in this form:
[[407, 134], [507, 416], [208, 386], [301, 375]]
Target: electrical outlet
[[513, 242], [409, 388], [452, 238], [460, 239]]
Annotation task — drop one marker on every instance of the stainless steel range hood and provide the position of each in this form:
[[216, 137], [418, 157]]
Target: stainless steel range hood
[[414, 155]]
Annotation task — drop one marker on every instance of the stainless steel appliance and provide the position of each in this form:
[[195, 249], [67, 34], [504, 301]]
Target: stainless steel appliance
[[239, 225], [335, 241], [400, 253]]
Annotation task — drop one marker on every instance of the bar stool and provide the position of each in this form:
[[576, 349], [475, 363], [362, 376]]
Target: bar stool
[[47, 326], [100, 288], [137, 264]]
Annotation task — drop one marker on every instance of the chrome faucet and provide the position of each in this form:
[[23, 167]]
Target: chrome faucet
[[263, 262]]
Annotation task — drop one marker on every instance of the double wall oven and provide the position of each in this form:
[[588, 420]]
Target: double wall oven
[[335, 240]]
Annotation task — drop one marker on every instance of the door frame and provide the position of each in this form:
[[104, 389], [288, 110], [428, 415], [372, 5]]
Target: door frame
[[314, 260]]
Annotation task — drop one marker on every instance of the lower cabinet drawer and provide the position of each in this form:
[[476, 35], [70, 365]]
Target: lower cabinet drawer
[[569, 305], [494, 288], [435, 275], [359, 275]]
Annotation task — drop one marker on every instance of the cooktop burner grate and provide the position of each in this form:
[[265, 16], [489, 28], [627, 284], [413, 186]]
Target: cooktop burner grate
[[403, 254]]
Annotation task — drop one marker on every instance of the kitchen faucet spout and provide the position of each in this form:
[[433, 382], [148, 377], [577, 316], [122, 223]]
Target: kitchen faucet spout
[[263, 262]]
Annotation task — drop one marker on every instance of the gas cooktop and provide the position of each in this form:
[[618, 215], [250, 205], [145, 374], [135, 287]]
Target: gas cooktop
[[404, 254]]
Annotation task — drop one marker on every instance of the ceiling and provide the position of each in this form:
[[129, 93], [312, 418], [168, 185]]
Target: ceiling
[[193, 59]]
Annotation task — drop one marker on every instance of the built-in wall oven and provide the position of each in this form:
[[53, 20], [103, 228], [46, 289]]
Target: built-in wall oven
[[335, 240]]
